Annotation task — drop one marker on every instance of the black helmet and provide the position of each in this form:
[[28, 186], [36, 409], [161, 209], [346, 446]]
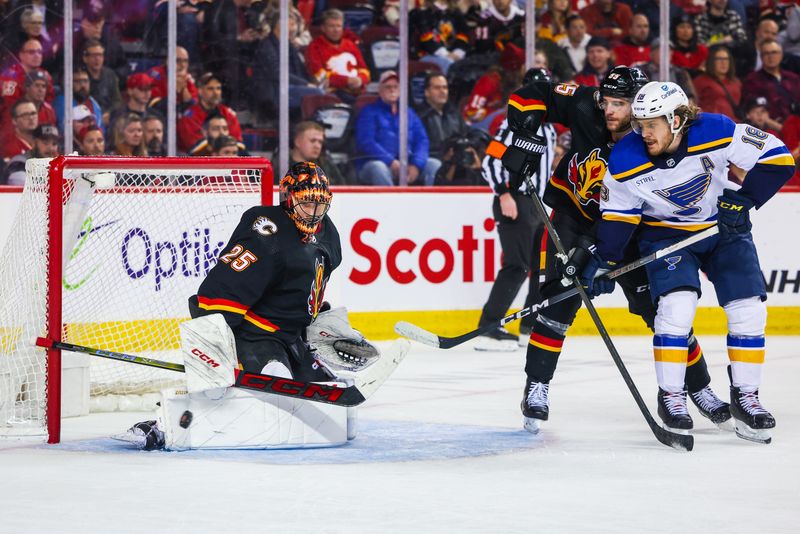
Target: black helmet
[[623, 82], [536, 75]]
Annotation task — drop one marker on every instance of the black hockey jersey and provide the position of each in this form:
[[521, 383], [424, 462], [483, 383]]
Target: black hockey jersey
[[268, 282], [575, 185]]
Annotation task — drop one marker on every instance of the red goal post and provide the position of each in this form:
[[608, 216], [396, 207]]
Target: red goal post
[[104, 251]]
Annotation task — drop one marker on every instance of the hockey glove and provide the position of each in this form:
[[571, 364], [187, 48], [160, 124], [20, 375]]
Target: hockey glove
[[733, 213], [522, 158], [592, 277], [577, 261]]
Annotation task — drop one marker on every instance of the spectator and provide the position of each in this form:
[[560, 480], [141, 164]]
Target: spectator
[[214, 126], [12, 79], [80, 97], [461, 162], [209, 92], [440, 118], [231, 31], [37, 85], [25, 119], [718, 88], [82, 118], [497, 25], [186, 90], [336, 61], [91, 141], [652, 10], [757, 114], [687, 53], [749, 57], [128, 136], [308, 144], [718, 24], [153, 127], [634, 50], [225, 146], [31, 27], [439, 32], [45, 145], [678, 75], [378, 145], [608, 19], [139, 88], [553, 22], [490, 94], [791, 136], [574, 44], [779, 86], [264, 90], [598, 62], [93, 27], [791, 38], [103, 82]]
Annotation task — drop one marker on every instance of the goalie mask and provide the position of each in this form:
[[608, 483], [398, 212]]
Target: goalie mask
[[305, 195]]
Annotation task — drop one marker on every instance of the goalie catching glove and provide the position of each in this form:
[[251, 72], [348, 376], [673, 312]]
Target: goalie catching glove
[[522, 158], [338, 345]]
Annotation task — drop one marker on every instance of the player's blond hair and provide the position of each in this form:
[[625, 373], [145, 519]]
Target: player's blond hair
[[688, 115]]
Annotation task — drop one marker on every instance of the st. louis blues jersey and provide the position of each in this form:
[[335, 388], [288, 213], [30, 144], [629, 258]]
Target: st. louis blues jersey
[[676, 194]]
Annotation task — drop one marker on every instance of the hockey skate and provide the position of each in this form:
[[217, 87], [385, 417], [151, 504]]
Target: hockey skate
[[712, 408], [144, 435], [751, 420], [673, 412], [497, 340], [535, 405]]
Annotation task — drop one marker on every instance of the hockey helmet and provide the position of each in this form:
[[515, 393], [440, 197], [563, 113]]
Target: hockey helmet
[[305, 195], [658, 99], [536, 75], [623, 82]]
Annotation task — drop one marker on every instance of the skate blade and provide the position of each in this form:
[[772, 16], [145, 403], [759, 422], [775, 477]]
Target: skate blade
[[138, 440], [752, 434], [726, 425], [681, 431], [531, 425]]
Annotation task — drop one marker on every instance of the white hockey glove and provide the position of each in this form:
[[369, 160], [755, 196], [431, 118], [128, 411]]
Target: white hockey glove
[[338, 345]]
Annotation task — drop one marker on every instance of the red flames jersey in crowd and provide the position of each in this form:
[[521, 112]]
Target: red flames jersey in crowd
[[336, 61], [486, 96]]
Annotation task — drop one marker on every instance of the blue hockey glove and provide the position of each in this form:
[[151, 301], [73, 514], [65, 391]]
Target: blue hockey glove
[[733, 213], [592, 277]]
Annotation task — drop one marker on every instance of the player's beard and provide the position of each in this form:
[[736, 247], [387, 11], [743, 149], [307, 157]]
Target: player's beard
[[619, 126]]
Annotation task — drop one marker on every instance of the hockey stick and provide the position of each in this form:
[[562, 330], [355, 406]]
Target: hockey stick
[[339, 396], [678, 441], [416, 333]]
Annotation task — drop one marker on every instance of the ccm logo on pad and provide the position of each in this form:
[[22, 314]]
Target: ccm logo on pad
[[205, 357]]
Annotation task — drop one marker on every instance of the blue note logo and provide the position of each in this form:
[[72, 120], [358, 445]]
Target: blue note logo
[[687, 194], [672, 262]]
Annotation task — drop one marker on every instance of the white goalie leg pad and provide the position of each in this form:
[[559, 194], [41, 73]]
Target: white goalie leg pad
[[231, 418], [338, 345], [209, 353]]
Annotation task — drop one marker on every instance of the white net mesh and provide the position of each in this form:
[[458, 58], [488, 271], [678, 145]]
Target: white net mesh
[[133, 253]]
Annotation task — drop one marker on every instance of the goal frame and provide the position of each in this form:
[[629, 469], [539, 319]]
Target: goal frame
[[57, 169]]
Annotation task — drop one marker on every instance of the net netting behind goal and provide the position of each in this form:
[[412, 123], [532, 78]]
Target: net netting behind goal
[[139, 235]]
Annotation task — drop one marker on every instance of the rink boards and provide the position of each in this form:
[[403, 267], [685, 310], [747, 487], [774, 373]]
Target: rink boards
[[429, 256]]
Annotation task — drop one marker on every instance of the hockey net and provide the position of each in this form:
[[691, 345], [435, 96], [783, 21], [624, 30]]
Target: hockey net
[[137, 236]]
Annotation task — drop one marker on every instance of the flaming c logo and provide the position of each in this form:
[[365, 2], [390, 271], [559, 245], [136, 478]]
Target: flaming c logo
[[586, 177], [317, 289]]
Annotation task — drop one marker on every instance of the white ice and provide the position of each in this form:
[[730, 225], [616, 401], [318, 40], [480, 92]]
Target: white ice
[[441, 449]]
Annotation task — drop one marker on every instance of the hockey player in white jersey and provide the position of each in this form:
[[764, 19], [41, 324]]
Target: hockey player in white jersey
[[671, 178]]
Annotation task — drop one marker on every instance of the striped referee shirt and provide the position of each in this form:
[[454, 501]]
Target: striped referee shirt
[[496, 175]]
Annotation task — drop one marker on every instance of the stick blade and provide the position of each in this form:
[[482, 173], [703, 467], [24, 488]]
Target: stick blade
[[681, 442], [415, 333]]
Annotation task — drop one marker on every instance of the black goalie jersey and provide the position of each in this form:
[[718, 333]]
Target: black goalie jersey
[[268, 282], [575, 185]]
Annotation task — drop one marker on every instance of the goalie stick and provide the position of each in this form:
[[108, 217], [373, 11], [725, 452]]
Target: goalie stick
[[416, 333], [339, 396]]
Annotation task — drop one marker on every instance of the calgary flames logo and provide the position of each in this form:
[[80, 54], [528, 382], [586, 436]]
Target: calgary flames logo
[[317, 289], [586, 177]]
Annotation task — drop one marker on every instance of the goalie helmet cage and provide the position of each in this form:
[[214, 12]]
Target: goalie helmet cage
[[105, 252]]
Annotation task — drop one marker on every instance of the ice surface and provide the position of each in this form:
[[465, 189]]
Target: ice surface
[[441, 449]]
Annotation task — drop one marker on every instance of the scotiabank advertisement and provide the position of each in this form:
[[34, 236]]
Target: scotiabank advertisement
[[413, 255]]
